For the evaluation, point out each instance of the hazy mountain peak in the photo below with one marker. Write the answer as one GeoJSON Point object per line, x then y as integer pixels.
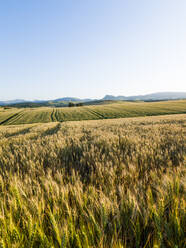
{"type": "Point", "coordinates": [148, 97]}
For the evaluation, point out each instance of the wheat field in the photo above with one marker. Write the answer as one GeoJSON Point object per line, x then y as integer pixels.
{"type": "Point", "coordinates": [106, 183]}
{"type": "Point", "coordinates": [111, 110]}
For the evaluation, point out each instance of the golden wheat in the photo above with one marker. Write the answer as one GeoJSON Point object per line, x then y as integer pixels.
{"type": "Point", "coordinates": [107, 183]}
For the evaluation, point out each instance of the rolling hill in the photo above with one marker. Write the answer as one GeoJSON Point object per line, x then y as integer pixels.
{"type": "Point", "coordinates": [120, 109]}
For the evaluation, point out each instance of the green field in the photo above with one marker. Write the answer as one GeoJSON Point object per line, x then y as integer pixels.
{"type": "Point", "coordinates": [15, 116]}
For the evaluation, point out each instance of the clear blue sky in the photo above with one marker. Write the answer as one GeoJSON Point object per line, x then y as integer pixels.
{"type": "Point", "coordinates": [89, 48]}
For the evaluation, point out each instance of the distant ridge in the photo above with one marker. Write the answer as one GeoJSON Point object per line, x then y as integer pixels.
{"type": "Point", "coordinates": [71, 99]}
{"type": "Point", "coordinates": [12, 101]}
{"type": "Point", "coordinates": [153, 96]}
{"type": "Point", "coordinates": [159, 96]}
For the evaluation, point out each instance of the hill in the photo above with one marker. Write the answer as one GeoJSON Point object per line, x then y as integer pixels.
{"type": "Point", "coordinates": [16, 101]}
{"type": "Point", "coordinates": [104, 110]}
{"type": "Point", "coordinates": [150, 97]}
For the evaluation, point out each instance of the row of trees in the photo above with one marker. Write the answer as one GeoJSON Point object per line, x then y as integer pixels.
{"type": "Point", "coordinates": [71, 104]}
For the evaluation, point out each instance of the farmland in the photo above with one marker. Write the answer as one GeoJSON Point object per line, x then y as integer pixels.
{"type": "Point", "coordinates": [100, 183]}
{"type": "Point", "coordinates": [14, 116]}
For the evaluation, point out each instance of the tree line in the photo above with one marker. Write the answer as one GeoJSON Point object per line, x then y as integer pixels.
{"type": "Point", "coordinates": [71, 104]}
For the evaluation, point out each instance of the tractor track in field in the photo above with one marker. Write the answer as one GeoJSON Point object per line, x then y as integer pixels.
{"type": "Point", "coordinates": [16, 118]}
{"type": "Point", "coordinates": [53, 117]}
{"type": "Point", "coordinates": [101, 116]}
{"type": "Point", "coordinates": [60, 115]}
{"type": "Point", "coordinates": [57, 116]}
{"type": "Point", "coordinates": [10, 118]}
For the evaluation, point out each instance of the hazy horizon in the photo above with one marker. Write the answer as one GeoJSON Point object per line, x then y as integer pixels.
{"type": "Point", "coordinates": [96, 98]}
{"type": "Point", "coordinates": [54, 49]}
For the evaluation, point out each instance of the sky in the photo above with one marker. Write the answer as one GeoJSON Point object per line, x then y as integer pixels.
{"type": "Point", "coordinates": [90, 48]}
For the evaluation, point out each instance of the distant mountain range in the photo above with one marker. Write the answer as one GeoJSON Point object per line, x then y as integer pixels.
{"type": "Point", "coordinates": [160, 96]}
{"type": "Point", "coordinates": [153, 96]}
{"type": "Point", "coordinates": [12, 102]}
{"type": "Point", "coordinates": [72, 99]}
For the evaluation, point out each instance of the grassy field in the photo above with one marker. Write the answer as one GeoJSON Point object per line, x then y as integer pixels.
{"type": "Point", "coordinates": [102, 183]}
{"type": "Point", "coordinates": [15, 116]}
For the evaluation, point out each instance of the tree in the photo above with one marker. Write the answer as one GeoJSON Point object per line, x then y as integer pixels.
{"type": "Point", "coordinates": [79, 104]}
{"type": "Point", "coordinates": [71, 104]}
